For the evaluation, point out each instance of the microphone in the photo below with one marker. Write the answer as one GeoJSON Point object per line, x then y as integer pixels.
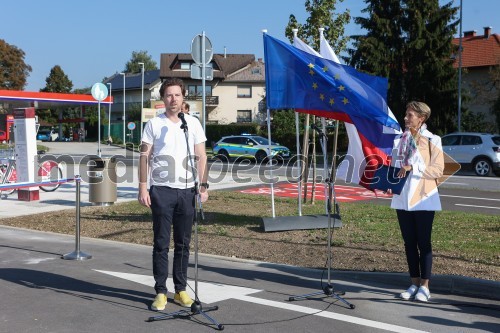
{"type": "Point", "coordinates": [317, 129]}
{"type": "Point", "coordinates": [181, 117]}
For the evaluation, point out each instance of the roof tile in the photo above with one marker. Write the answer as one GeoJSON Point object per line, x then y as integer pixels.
{"type": "Point", "coordinates": [479, 51]}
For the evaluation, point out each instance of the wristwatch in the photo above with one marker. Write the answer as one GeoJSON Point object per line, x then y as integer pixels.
{"type": "Point", "coordinates": [205, 185]}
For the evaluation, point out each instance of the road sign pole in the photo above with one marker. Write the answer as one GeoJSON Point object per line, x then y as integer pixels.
{"type": "Point", "coordinates": [202, 53]}
{"type": "Point", "coordinates": [203, 60]}
{"type": "Point", "coordinates": [99, 92]}
{"type": "Point", "coordinates": [99, 128]}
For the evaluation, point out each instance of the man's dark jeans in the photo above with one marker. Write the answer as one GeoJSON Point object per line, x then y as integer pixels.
{"type": "Point", "coordinates": [171, 207]}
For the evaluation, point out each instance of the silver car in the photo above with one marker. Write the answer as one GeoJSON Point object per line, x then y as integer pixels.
{"type": "Point", "coordinates": [481, 151]}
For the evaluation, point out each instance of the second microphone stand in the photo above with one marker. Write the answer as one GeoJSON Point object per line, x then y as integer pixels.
{"type": "Point", "coordinates": [196, 307]}
{"type": "Point", "coordinates": [328, 289]}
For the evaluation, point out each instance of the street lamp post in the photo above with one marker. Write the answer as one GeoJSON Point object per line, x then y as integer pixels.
{"type": "Point", "coordinates": [124, 110]}
{"type": "Point", "coordinates": [142, 95]}
{"type": "Point", "coordinates": [109, 113]}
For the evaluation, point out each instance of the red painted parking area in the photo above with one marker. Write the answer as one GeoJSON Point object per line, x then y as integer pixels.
{"type": "Point", "coordinates": [343, 193]}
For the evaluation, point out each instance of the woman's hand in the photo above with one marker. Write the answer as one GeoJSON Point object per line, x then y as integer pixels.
{"type": "Point", "coordinates": [402, 172]}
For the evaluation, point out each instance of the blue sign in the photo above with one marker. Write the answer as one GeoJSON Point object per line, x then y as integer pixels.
{"type": "Point", "coordinates": [99, 91]}
{"type": "Point", "coordinates": [131, 126]}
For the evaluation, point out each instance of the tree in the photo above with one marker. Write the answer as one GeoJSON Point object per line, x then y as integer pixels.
{"type": "Point", "coordinates": [409, 41]}
{"type": "Point", "coordinates": [430, 76]}
{"type": "Point", "coordinates": [132, 66]}
{"type": "Point", "coordinates": [379, 52]}
{"type": "Point", "coordinates": [13, 70]}
{"type": "Point", "coordinates": [322, 15]}
{"type": "Point", "coordinates": [57, 81]}
{"type": "Point", "coordinates": [486, 91]}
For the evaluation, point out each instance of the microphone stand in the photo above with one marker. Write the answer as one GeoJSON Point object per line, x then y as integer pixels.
{"type": "Point", "coordinates": [196, 307]}
{"type": "Point", "coordinates": [328, 290]}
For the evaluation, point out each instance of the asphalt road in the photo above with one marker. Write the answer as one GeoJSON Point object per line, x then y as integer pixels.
{"type": "Point", "coordinates": [112, 291]}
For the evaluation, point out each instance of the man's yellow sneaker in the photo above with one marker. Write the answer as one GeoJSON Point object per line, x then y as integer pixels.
{"type": "Point", "coordinates": [182, 298]}
{"type": "Point", "coordinates": [159, 302]}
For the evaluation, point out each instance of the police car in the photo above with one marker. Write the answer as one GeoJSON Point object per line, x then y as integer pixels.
{"type": "Point", "coordinates": [249, 146]}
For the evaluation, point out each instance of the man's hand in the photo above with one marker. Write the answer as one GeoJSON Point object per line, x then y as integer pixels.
{"type": "Point", "coordinates": [144, 198]}
{"type": "Point", "coordinates": [204, 196]}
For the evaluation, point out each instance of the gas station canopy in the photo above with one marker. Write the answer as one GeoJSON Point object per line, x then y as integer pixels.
{"type": "Point", "coordinates": [46, 100]}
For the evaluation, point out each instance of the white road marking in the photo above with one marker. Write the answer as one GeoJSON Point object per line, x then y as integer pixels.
{"type": "Point", "coordinates": [34, 261]}
{"type": "Point", "coordinates": [477, 206]}
{"type": "Point", "coordinates": [461, 197]}
{"type": "Point", "coordinates": [207, 292]}
{"type": "Point", "coordinates": [326, 314]}
{"type": "Point", "coordinates": [215, 292]}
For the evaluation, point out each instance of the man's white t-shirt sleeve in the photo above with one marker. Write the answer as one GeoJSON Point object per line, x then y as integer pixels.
{"type": "Point", "coordinates": [147, 134]}
{"type": "Point", "coordinates": [198, 130]}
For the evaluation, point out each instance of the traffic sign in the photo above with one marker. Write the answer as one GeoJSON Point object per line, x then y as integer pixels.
{"type": "Point", "coordinates": [197, 49]}
{"type": "Point", "coordinates": [99, 91]}
{"type": "Point", "coordinates": [196, 72]}
{"type": "Point", "coordinates": [131, 126]}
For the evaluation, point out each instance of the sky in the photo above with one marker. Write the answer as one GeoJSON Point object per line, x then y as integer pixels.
{"type": "Point", "coordinates": [94, 39]}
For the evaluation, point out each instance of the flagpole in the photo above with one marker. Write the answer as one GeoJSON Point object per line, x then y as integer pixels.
{"type": "Point", "coordinates": [264, 31]}
{"type": "Point", "coordinates": [299, 158]}
{"type": "Point", "coordinates": [271, 168]}
{"type": "Point", "coordinates": [299, 162]}
{"type": "Point", "coordinates": [323, 125]}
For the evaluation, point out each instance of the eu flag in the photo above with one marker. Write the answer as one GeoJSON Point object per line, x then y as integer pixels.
{"type": "Point", "coordinates": [298, 80]}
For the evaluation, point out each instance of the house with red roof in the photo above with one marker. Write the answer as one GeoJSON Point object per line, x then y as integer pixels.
{"type": "Point", "coordinates": [480, 58]}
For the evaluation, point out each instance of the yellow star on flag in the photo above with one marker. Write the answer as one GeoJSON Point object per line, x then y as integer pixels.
{"type": "Point", "coordinates": [345, 101]}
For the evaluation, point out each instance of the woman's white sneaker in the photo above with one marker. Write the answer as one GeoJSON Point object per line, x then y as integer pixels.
{"type": "Point", "coordinates": [423, 294]}
{"type": "Point", "coordinates": [410, 293]}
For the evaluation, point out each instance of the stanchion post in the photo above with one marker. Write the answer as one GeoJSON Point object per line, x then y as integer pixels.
{"type": "Point", "coordinates": [77, 254]}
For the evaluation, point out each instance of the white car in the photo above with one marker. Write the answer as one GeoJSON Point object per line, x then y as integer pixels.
{"type": "Point", "coordinates": [481, 151]}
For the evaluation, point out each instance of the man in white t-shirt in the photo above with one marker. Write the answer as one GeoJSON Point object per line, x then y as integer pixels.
{"type": "Point", "coordinates": [171, 197]}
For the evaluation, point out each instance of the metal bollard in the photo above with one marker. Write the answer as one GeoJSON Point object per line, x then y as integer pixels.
{"type": "Point", "coordinates": [77, 254]}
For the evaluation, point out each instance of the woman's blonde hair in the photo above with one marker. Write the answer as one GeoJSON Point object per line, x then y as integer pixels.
{"type": "Point", "coordinates": [421, 108]}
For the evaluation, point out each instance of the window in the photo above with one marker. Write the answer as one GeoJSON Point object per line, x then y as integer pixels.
{"type": "Point", "coordinates": [469, 140]}
{"type": "Point", "coordinates": [451, 140]}
{"type": "Point", "coordinates": [244, 116]}
{"type": "Point", "coordinates": [244, 91]}
{"type": "Point", "coordinates": [186, 66]}
{"type": "Point", "coordinates": [256, 70]}
{"type": "Point", "coordinates": [231, 140]}
{"type": "Point", "coordinates": [198, 90]}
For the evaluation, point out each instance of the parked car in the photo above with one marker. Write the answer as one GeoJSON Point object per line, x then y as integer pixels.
{"type": "Point", "coordinates": [481, 151]}
{"type": "Point", "coordinates": [47, 135]}
{"type": "Point", "coordinates": [249, 146]}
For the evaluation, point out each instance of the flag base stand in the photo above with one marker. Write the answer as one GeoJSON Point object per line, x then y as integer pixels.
{"type": "Point", "coordinates": [283, 223]}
